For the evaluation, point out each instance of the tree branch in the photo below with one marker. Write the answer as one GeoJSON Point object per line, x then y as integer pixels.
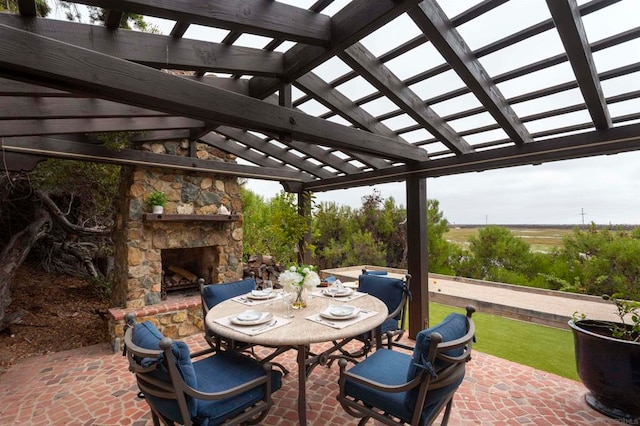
{"type": "Point", "coordinates": [61, 219]}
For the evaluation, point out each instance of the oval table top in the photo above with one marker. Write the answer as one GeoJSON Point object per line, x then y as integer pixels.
{"type": "Point", "coordinates": [300, 331]}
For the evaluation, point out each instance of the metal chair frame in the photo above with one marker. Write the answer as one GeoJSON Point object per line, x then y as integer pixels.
{"type": "Point", "coordinates": [177, 389]}
{"type": "Point", "coordinates": [454, 370]}
{"type": "Point", "coordinates": [392, 336]}
{"type": "Point", "coordinates": [218, 343]}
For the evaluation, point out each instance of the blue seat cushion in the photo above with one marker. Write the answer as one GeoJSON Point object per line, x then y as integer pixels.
{"type": "Point", "coordinates": [223, 371]}
{"type": "Point", "coordinates": [453, 327]}
{"type": "Point", "coordinates": [391, 368]}
{"type": "Point", "coordinates": [216, 293]}
{"type": "Point", "coordinates": [219, 372]}
{"type": "Point", "coordinates": [387, 367]}
{"type": "Point", "coordinates": [389, 290]}
{"type": "Point", "coordinates": [147, 336]}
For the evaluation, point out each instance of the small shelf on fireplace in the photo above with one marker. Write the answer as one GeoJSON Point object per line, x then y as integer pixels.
{"type": "Point", "coordinates": [150, 217]}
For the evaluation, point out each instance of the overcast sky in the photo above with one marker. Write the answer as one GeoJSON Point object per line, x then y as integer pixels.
{"type": "Point", "coordinates": [604, 188]}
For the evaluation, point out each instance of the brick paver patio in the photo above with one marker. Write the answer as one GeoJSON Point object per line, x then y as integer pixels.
{"type": "Point", "coordinates": [92, 386]}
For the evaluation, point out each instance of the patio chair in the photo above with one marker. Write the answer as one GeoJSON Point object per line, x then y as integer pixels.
{"type": "Point", "coordinates": [211, 295]}
{"type": "Point", "coordinates": [223, 387]}
{"type": "Point", "coordinates": [397, 388]}
{"type": "Point", "coordinates": [394, 292]}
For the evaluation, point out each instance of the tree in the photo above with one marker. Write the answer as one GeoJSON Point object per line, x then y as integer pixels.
{"type": "Point", "coordinates": [602, 261]}
{"type": "Point", "coordinates": [499, 256]}
{"type": "Point", "coordinates": [63, 239]}
{"type": "Point", "coordinates": [272, 227]}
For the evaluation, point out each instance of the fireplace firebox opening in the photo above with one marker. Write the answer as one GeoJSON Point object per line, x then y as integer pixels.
{"type": "Point", "coordinates": [181, 267]}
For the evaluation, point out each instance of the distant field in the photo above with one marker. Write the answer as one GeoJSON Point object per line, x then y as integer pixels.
{"type": "Point", "coordinates": [540, 239]}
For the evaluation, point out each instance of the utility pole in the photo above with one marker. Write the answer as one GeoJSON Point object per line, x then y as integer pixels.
{"type": "Point", "coordinates": [582, 213]}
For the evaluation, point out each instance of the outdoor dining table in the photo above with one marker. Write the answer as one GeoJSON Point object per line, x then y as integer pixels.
{"type": "Point", "coordinates": [299, 332]}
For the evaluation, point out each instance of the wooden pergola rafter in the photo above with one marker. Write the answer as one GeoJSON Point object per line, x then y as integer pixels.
{"type": "Point", "coordinates": [275, 105]}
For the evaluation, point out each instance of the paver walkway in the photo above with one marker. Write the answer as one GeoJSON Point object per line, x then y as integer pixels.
{"type": "Point", "coordinates": [555, 305]}
{"type": "Point", "coordinates": [92, 386]}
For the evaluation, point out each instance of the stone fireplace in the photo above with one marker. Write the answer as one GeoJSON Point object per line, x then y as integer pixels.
{"type": "Point", "coordinates": [190, 236]}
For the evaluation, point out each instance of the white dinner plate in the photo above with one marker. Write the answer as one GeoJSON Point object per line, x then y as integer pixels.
{"type": "Point", "coordinates": [343, 292]}
{"type": "Point", "coordinates": [251, 318]}
{"type": "Point", "coordinates": [340, 312]}
{"type": "Point", "coordinates": [261, 295]}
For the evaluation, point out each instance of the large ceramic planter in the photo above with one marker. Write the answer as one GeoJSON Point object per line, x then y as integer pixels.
{"type": "Point", "coordinates": [610, 369]}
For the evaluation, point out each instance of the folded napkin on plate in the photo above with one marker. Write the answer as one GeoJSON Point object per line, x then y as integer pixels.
{"type": "Point", "coordinates": [342, 323]}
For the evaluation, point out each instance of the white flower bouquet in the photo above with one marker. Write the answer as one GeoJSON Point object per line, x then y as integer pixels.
{"type": "Point", "coordinates": [296, 278]}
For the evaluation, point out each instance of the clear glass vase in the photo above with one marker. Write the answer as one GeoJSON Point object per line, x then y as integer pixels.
{"type": "Point", "coordinates": [299, 302]}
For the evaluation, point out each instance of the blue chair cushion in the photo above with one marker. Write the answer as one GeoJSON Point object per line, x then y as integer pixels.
{"type": "Point", "coordinates": [387, 367]}
{"type": "Point", "coordinates": [216, 293]}
{"type": "Point", "coordinates": [452, 327]}
{"type": "Point", "coordinates": [391, 368]}
{"type": "Point", "coordinates": [147, 336]}
{"type": "Point", "coordinates": [224, 371]}
{"type": "Point", "coordinates": [389, 290]}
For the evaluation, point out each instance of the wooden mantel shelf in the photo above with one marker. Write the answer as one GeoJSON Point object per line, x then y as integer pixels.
{"type": "Point", "coordinates": [150, 217]}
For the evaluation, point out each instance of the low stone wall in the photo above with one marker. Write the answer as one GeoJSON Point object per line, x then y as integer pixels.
{"type": "Point", "coordinates": [177, 318]}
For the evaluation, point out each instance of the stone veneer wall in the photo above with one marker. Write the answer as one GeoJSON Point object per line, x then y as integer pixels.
{"type": "Point", "coordinates": [138, 265]}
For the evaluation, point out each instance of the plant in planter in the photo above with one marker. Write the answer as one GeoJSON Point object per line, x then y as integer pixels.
{"type": "Point", "coordinates": [156, 201]}
{"type": "Point", "coordinates": [608, 360]}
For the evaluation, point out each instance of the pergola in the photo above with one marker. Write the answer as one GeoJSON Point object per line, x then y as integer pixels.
{"type": "Point", "coordinates": [324, 95]}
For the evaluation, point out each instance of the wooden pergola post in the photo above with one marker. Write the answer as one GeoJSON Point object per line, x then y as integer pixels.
{"type": "Point", "coordinates": [304, 210]}
{"type": "Point", "coordinates": [416, 189]}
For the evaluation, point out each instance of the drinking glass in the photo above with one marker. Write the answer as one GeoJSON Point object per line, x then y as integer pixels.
{"type": "Point", "coordinates": [267, 287]}
{"type": "Point", "coordinates": [287, 298]}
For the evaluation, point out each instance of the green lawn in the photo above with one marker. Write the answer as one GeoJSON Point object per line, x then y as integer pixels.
{"type": "Point", "coordinates": [545, 348]}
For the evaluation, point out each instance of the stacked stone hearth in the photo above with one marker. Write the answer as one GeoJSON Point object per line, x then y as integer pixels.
{"type": "Point", "coordinates": [208, 248]}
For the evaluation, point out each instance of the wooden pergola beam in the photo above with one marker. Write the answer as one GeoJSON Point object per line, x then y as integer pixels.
{"type": "Point", "coordinates": [611, 141]}
{"type": "Point", "coordinates": [27, 7]}
{"type": "Point", "coordinates": [435, 25]}
{"type": "Point", "coordinates": [58, 148]}
{"type": "Point", "coordinates": [41, 126]}
{"type": "Point", "coordinates": [343, 106]}
{"type": "Point", "coordinates": [381, 77]}
{"type": "Point", "coordinates": [26, 108]}
{"type": "Point", "coordinates": [568, 21]}
{"type": "Point", "coordinates": [75, 69]}
{"type": "Point", "coordinates": [270, 149]}
{"type": "Point", "coordinates": [261, 17]}
{"type": "Point", "coordinates": [159, 51]}
{"type": "Point", "coordinates": [354, 22]}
